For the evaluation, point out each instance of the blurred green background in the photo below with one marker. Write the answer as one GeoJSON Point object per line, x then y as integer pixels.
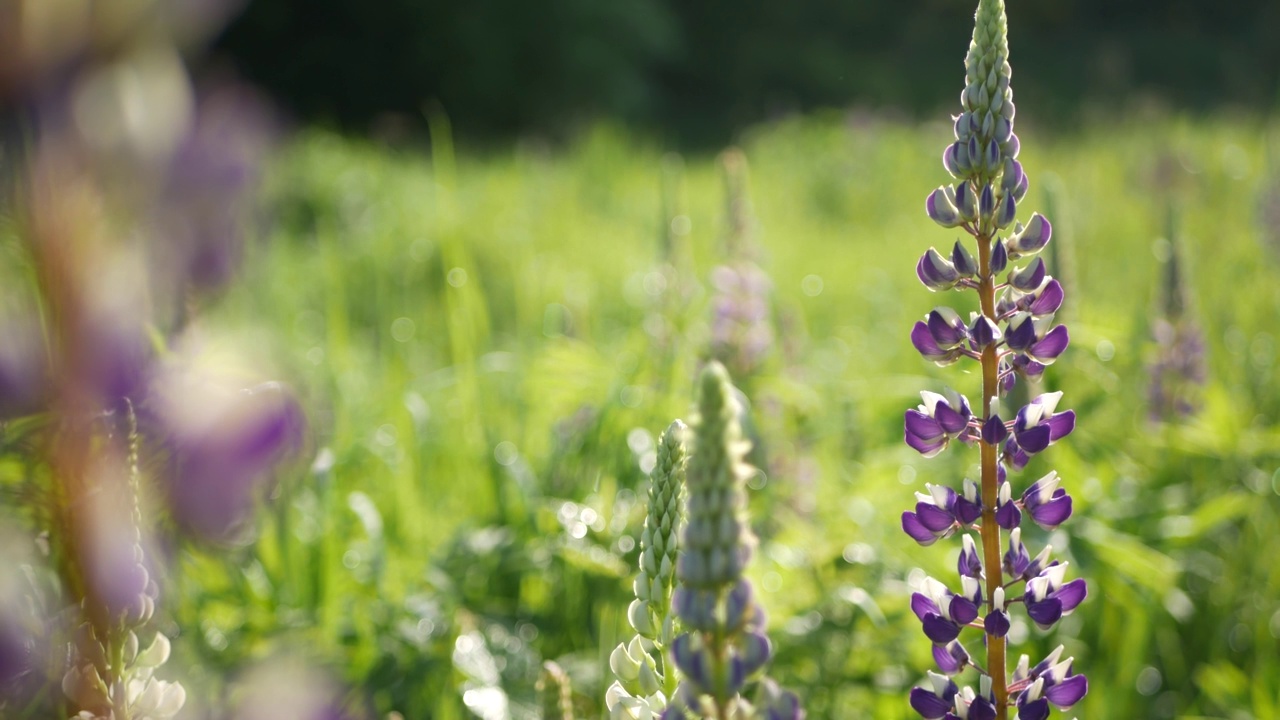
{"type": "Point", "coordinates": [489, 344]}
{"type": "Point", "coordinates": [489, 338]}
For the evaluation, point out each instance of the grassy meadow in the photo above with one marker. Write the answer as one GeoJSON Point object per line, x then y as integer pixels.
{"type": "Point", "coordinates": [488, 344]}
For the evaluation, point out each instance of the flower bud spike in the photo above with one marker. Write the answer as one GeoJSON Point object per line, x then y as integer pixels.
{"type": "Point", "coordinates": [1014, 336]}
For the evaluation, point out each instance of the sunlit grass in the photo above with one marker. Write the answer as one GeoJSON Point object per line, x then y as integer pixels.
{"type": "Point", "coordinates": [478, 341]}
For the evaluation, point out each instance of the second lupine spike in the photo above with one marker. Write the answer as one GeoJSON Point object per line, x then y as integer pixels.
{"type": "Point", "coordinates": [725, 647]}
{"type": "Point", "coordinates": [1013, 336]}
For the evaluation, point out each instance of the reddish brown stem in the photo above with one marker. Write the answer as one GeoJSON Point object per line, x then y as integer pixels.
{"type": "Point", "coordinates": [990, 489]}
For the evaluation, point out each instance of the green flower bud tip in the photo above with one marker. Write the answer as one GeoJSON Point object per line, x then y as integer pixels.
{"type": "Point", "coordinates": [717, 541]}
{"type": "Point", "coordinates": [659, 542]}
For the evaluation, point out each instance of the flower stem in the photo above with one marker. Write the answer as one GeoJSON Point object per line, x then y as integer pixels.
{"type": "Point", "coordinates": [990, 489]}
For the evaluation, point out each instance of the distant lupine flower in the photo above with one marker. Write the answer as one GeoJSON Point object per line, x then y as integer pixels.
{"type": "Point", "coordinates": [645, 681]}
{"type": "Point", "coordinates": [1179, 369]}
{"type": "Point", "coordinates": [1013, 336]}
{"type": "Point", "coordinates": [725, 646]}
{"type": "Point", "coordinates": [203, 211]}
{"type": "Point", "coordinates": [742, 332]}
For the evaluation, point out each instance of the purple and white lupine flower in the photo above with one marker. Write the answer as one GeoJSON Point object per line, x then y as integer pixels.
{"type": "Point", "coordinates": [936, 421]}
{"type": "Point", "coordinates": [1014, 335]}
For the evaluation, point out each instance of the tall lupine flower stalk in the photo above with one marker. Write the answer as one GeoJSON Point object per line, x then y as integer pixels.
{"type": "Point", "coordinates": [645, 679]}
{"type": "Point", "coordinates": [724, 647]}
{"type": "Point", "coordinates": [1012, 336]}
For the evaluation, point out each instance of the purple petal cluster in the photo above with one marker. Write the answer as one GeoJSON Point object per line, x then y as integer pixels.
{"type": "Point", "coordinates": [1013, 336]}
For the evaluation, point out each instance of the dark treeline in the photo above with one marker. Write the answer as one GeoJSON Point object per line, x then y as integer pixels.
{"type": "Point", "coordinates": [699, 69]}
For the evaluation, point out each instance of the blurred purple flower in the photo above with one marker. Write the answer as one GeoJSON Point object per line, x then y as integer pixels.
{"type": "Point", "coordinates": [223, 445]}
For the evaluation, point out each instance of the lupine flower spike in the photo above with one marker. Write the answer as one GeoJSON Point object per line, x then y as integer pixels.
{"type": "Point", "coordinates": [1013, 336]}
{"type": "Point", "coordinates": [724, 649]}
{"type": "Point", "coordinates": [645, 681]}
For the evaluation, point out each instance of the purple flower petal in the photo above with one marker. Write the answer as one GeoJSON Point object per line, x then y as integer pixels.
{"type": "Point", "coordinates": [1045, 612]}
{"type": "Point", "coordinates": [982, 708]}
{"type": "Point", "coordinates": [923, 606]}
{"type": "Point", "coordinates": [934, 518]}
{"type": "Point", "coordinates": [951, 658]}
{"type": "Point", "coordinates": [993, 431]}
{"type": "Point", "coordinates": [962, 610]}
{"type": "Point", "coordinates": [1034, 236]}
{"type": "Point", "coordinates": [926, 447]}
{"type": "Point", "coordinates": [940, 630]}
{"type": "Point", "coordinates": [924, 343]}
{"type": "Point", "coordinates": [1047, 350]}
{"type": "Point", "coordinates": [1029, 278]}
{"type": "Point", "coordinates": [1020, 333]}
{"type": "Point", "coordinates": [912, 526]}
{"type": "Point", "coordinates": [986, 201]}
{"type": "Point", "coordinates": [936, 272]}
{"type": "Point", "coordinates": [1048, 300]}
{"type": "Point", "coordinates": [1035, 439]}
{"type": "Point", "coordinates": [946, 327]}
{"type": "Point", "coordinates": [1008, 516]}
{"type": "Point", "coordinates": [930, 706]}
{"type": "Point", "coordinates": [1061, 425]}
{"type": "Point", "coordinates": [1033, 710]}
{"type": "Point", "coordinates": [967, 512]}
{"type": "Point", "coordinates": [996, 623]}
{"type": "Point", "coordinates": [1072, 594]}
{"type": "Point", "coordinates": [1068, 692]}
{"type": "Point", "coordinates": [951, 421]}
{"type": "Point", "coordinates": [1051, 514]}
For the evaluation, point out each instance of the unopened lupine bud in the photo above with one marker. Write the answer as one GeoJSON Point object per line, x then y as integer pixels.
{"type": "Point", "coordinates": [1028, 278]}
{"type": "Point", "coordinates": [963, 260]}
{"type": "Point", "coordinates": [936, 272]}
{"type": "Point", "coordinates": [1006, 211]}
{"type": "Point", "coordinates": [967, 201]}
{"type": "Point", "coordinates": [941, 207]}
{"type": "Point", "coordinates": [983, 333]}
{"type": "Point", "coordinates": [1030, 239]}
{"type": "Point", "coordinates": [999, 258]}
{"type": "Point", "coordinates": [1013, 181]}
{"type": "Point", "coordinates": [986, 203]}
{"type": "Point", "coordinates": [946, 327]}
